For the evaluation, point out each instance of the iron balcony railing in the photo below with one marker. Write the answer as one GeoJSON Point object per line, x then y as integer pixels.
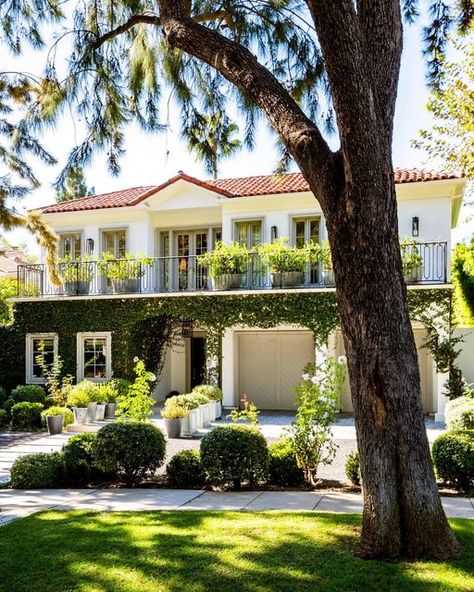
{"type": "Point", "coordinates": [157, 275]}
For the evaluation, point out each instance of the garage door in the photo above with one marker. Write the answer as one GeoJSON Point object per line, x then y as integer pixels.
{"type": "Point", "coordinates": [270, 365]}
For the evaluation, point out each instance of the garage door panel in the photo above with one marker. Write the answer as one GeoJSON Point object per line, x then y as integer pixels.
{"type": "Point", "coordinates": [296, 351]}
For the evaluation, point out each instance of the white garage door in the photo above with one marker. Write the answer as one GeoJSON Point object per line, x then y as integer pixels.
{"type": "Point", "coordinates": [270, 365]}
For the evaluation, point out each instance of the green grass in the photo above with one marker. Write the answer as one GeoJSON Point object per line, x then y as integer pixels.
{"type": "Point", "coordinates": [211, 551]}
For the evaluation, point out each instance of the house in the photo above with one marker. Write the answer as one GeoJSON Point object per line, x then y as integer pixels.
{"type": "Point", "coordinates": [10, 258]}
{"type": "Point", "coordinates": [255, 338]}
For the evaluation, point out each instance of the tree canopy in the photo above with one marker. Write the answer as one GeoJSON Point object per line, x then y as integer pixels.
{"type": "Point", "coordinates": [74, 186]}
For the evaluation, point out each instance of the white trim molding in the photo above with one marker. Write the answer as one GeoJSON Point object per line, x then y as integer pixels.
{"type": "Point", "coordinates": [80, 339]}
{"type": "Point", "coordinates": [30, 337]}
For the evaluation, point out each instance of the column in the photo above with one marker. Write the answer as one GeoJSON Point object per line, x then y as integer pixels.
{"type": "Point", "coordinates": [227, 368]}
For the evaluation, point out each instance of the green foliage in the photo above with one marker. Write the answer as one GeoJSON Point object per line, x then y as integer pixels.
{"type": "Point", "coordinates": [453, 457]}
{"type": "Point", "coordinates": [8, 405]}
{"type": "Point", "coordinates": [279, 256]}
{"type": "Point", "coordinates": [283, 469]}
{"type": "Point", "coordinates": [129, 267]}
{"type": "Point", "coordinates": [318, 397]}
{"type": "Point", "coordinates": [26, 416]}
{"type": "Point", "coordinates": [184, 470]}
{"type": "Point", "coordinates": [79, 465]}
{"type": "Point", "coordinates": [83, 393]}
{"type": "Point", "coordinates": [131, 451]}
{"type": "Point", "coordinates": [57, 385]}
{"type": "Point", "coordinates": [233, 455]}
{"type": "Point", "coordinates": [459, 414]}
{"type": "Point", "coordinates": [352, 467]}
{"type": "Point", "coordinates": [33, 393]}
{"type": "Point", "coordinates": [37, 471]}
{"type": "Point", "coordinates": [74, 186]}
{"type": "Point", "coordinates": [3, 396]}
{"type": "Point", "coordinates": [137, 404]}
{"type": "Point", "coordinates": [56, 410]}
{"type": "Point", "coordinates": [411, 258]}
{"type": "Point", "coordinates": [4, 418]}
{"type": "Point", "coordinates": [77, 270]}
{"type": "Point", "coordinates": [248, 413]}
{"type": "Point", "coordinates": [463, 279]}
{"type": "Point", "coordinates": [226, 259]}
{"type": "Point", "coordinates": [116, 387]}
{"type": "Point", "coordinates": [211, 391]}
{"type": "Point", "coordinates": [8, 289]}
{"type": "Point", "coordinates": [173, 410]}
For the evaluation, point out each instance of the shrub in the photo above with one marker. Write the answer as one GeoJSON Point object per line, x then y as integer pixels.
{"type": "Point", "coordinates": [119, 385]}
{"type": "Point", "coordinates": [129, 450]}
{"type": "Point", "coordinates": [82, 394]}
{"type": "Point", "coordinates": [283, 469]}
{"type": "Point", "coordinates": [173, 410]}
{"type": "Point", "coordinates": [3, 395]}
{"type": "Point", "coordinates": [107, 393]}
{"type": "Point", "coordinates": [37, 471]}
{"type": "Point", "coordinates": [459, 414]}
{"type": "Point", "coordinates": [212, 392]}
{"type": "Point", "coordinates": [234, 454]}
{"type": "Point", "coordinates": [32, 393]}
{"type": "Point", "coordinates": [79, 463]}
{"type": "Point", "coordinates": [7, 406]}
{"type": "Point", "coordinates": [4, 418]}
{"type": "Point", "coordinates": [453, 457]}
{"type": "Point", "coordinates": [26, 416]}
{"type": "Point", "coordinates": [56, 410]}
{"type": "Point", "coordinates": [137, 404]}
{"type": "Point", "coordinates": [184, 469]}
{"type": "Point", "coordinates": [352, 467]}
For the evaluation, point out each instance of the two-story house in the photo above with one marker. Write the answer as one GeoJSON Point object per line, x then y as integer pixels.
{"type": "Point", "coordinates": [176, 222]}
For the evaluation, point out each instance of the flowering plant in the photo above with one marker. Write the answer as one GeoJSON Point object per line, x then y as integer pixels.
{"type": "Point", "coordinates": [317, 400]}
{"type": "Point", "coordinates": [247, 413]}
{"type": "Point", "coordinates": [137, 403]}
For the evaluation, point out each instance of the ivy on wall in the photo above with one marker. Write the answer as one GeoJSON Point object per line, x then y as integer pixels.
{"type": "Point", "coordinates": [145, 326]}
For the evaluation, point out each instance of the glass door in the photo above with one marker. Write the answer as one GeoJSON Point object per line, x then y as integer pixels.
{"type": "Point", "coordinates": [249, 233]}
{"type": "Point", "coordinates": [307, 231]}
{"type": "Point", "coordinates": [189, 245]}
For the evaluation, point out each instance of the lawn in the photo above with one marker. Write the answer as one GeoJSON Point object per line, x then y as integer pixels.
{"type": "Point", "coordinates": [202, 551]}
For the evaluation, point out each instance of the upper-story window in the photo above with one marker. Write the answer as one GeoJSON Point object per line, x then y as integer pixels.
{"type": "Point", "coordinates": [70, 245]}
{"type": "Point", "coordinates": [115, 242]}
{"type": "Point", "coordinates": [306, 230]}
{"type": "Point", "coordinates": [249, 233]}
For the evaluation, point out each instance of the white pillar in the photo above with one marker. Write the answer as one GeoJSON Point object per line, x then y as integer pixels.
{"type": "Point", "coordinates": [227, 368]}
{"type": "Point", "coordinates": [439, 381]}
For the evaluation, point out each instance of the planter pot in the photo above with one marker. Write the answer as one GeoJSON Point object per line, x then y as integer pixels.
{"type": "Point", "coordinates": [212, 410]}
{"type": "Point", "coordinates": [287, 279]}
{"type": "Point", "coordinates": [199, 422]}
{"type": "Point", "coordinates": [80, 415]}
{"type": "Point", "coordinates": [173, 427]}
{"type": "Point", "coordinates": [413, 276]}
{"type": "Point", "coordinates": [228, 281]}
{"type": "Point", "coordinates": [185, 427]}
{"type": "Point", "coordinates": [55, 424]}
{"type": "Point", "coordinates": [206, 416]}
{"type": "Point", "coordinates": [192, 421]}
{"type": "Point", "coordinates": [328, 277]}
{"type": "Point", "coordinates": [100, 412]}
{"type": "Point", "coordinates": [110, 410]}
{"type": "Point", "coordinates": [80, 288]}
{"type": "Point", "coordinates": [129, 286]}
{"type": "Point", "coordinates": [91, 411]}
{"type": "Point", "coordinates": [218, 409]}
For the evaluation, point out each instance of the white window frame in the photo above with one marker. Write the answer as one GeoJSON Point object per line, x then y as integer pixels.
{"type": "Point", "coordinates": [80, 338]}
{"type": "Point", "coordinates": [65, 233]}
{"type": "Point", "coordinates": [30, 379]}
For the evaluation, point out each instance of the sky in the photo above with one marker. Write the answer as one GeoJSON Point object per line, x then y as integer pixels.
{"type": "Point", "coordinates": [152, 158]}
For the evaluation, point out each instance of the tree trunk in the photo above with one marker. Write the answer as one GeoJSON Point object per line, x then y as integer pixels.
{"type": "Point", "coordinates": [402, 512]}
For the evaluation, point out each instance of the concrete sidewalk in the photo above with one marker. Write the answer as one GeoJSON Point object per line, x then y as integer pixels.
{"type": "Point", "coordinates": [17, 504]}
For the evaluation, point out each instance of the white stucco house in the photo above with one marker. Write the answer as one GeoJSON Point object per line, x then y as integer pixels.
{"type": "Point", "coordinates": [175, 222]}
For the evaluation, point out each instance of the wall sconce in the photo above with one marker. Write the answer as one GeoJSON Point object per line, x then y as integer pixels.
{"type": "Point", "coordinates": [274, 233]}
{"type": "Point", "coordinates": [415, 226]}
{"type": "Point", "coordinates": [90, 246]}
{"type": "Point", "coordinates": [187, 328]}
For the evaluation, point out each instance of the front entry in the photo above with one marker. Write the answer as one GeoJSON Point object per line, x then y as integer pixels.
{"type": "Point", "coordinates": [197, 361]}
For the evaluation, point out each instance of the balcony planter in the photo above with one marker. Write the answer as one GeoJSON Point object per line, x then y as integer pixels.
{"type": "Point", "coordinates": [54, 424]}
{"type": "Point", "coordinates": [124, 274]}
{"type": "Point", "coordinates": [125, 286]}
{"type": "Point", "coordinates": [110, 410]}
{"type": "Point", "coordinates": [76, 275]}
{"type": "Point", "coordinates": [287, 279]}
{"type": "Point", "coordinates": [100, 412]}
{"type": "Point", "coordinates": [411, 260]}
{"type": "Point", "coordinates": [80, 415]}
{"type": "Point", "coordinates": [91, 412]}
{"type": "Point", "coordinates": [80, 288]}
{"type": "Point", "coordinates": [173, 427]}
{"type": "Point", "coordinates": [227, 281]}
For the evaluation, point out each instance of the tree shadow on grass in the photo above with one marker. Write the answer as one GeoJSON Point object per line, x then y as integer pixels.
{"type": "Point", "coordinates": [201, 551]}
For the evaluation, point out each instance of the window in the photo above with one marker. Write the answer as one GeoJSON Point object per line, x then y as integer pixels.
{"type": "Point", "coordinates": [249, 233]}
{"type": "Point", "coordinates": [33, 350]}
{"type": "Point", "coordinates": [94, 357]}
{"type": "Point", "coordinates": [115, 242]}
{"type": "Point", "coordinates": [70, 245]}
{"type": "Point", "coordinates": [306, 230]}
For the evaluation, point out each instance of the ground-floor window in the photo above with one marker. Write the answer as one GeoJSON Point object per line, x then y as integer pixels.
{"type": "Point", "coordinates": [94, 356]}
{"type": "Point", "coordinates": [38, 344]}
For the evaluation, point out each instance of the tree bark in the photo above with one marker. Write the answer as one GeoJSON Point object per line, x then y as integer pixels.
{"type": "Point", "coordinates": [362, 47]}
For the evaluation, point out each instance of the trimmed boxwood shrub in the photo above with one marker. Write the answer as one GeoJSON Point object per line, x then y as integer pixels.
{"type": "Point", "coordinates": [352, 467]}
{"type": "Point", "coordinates": [453, 457]}
{"type": "Point", "coordinates": [459, 414]}
{"type": "Point", "coordinates": [37, 471]}
{"type": "Point", "coordinates": [234, 454]}
{"type": "Point", "coordinates": [26, 416]}
{"type": "Point", "coordinates": [32, 393]}
{"type": "Point", "coordinates": [283, 469]}
{"type": "Point", "coordinates": [4, 418]}
{"type": "Point", "coordinates": [130, 451]}
{"type": "Point", "coordinates": [79, 466]}
{"type": "Point", "coordinates": [184, 469]}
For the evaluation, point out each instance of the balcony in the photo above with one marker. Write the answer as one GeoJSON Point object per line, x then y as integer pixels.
{"type": "Point", "coordinates": [164, 275]}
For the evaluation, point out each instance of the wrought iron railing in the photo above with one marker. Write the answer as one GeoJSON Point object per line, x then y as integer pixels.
{"type": "Point", "coordinates": [156, 275]}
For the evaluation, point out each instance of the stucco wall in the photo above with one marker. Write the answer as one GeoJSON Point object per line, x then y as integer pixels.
{"type": "Point", "coordinates": [466, 357]}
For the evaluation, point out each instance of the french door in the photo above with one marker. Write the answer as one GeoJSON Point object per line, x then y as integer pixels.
{"type": "Point", "coordinates": [189, 273]}
{"type": "Point", "coordinates": [306, 230]}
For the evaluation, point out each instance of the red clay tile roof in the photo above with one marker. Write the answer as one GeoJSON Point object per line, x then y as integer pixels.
{"type": "Point", "coordinates": [237, 187]}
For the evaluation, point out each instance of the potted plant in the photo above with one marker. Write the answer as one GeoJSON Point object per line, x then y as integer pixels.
{"type": "Point", "coordinates": [116, 387]}
{"type": "Point", "coordinates": [76, 275]}
{"type": "Point", "coordinates": [286, 264]}
{"type": "Point", "coordinates": [101, 396]}
{"type": "Point", "coordinates": [204, 406]}
{"type": "Point", "coordinates": [214, 394]}
{"type": "Point", "coordinates": [411, 260]}
{"type": "Point", "coordinates": [57, 418]}
{"type": "Point", "coordinates": [173, 415]}
{"type": "Point", "coordinates": [124, 274]}
{"type": "Point", "coordinates": [227, 265]}
{"type": "Point", "coordinates": [78, 400]}
{"type": "Point", "coordinates": [193, 419]}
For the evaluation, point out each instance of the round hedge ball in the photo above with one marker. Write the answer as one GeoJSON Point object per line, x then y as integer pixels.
{"type": "Point", "coordinates": [184, 469]}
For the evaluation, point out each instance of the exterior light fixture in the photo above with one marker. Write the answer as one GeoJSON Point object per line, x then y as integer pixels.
{"type": "Point", "coordinates": [415, 226]}
{"type": "Point", "coordinates": [274, 232]}
{"type": "Point", "coordinates": [187, 328]}
{"type": "Point", "coordinates": [90, 246]}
